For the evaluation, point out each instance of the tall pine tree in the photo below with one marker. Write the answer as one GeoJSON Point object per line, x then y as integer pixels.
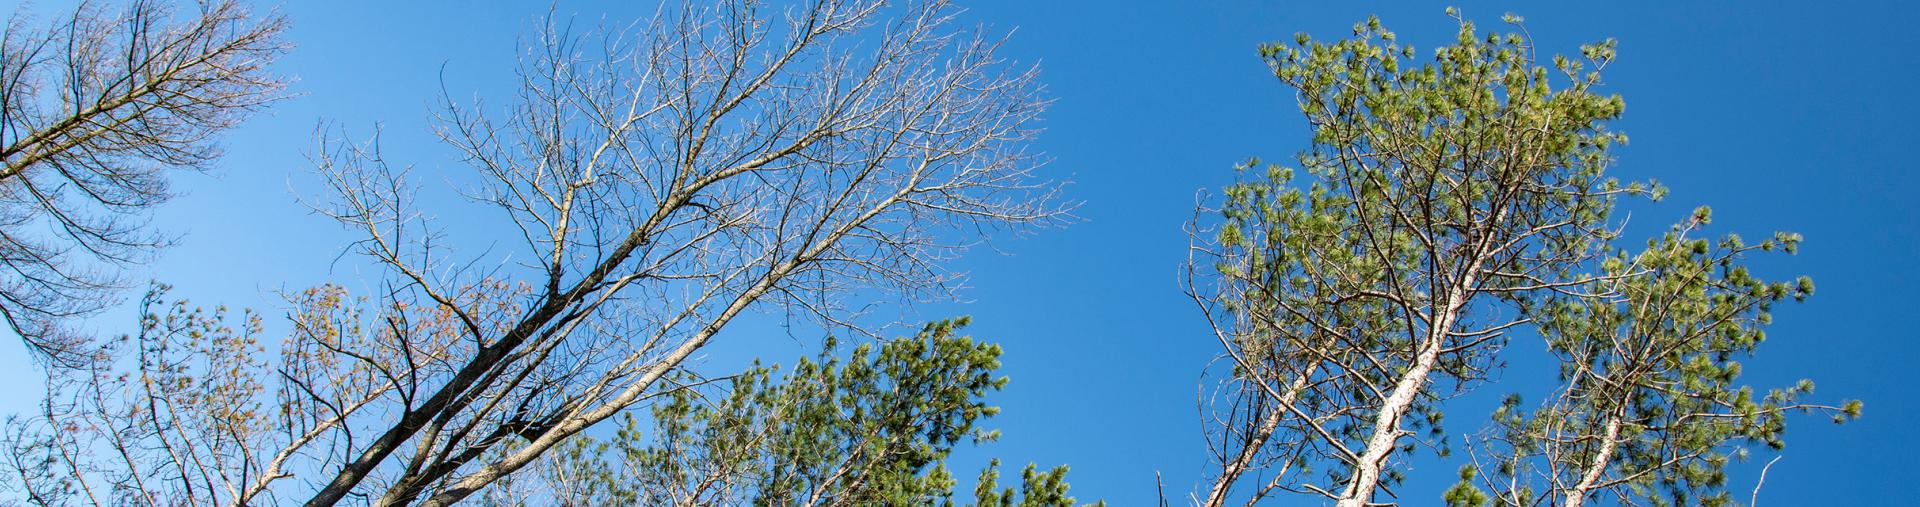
{"type": "Point", "coordinates": [1439, 198]}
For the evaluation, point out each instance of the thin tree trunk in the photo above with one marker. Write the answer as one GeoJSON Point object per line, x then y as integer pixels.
{"type": "Point", "coordinates": [1610, 444]}
{"type": "Point", "coordinates": [1386, 423]}
{"type": "Point", "coordinates": [1231, 472]}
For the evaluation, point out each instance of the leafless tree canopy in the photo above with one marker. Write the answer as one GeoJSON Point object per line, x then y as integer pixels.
{"type": "Point", "coordinates": [95, 107]}
{"type": "Point", "coordinates": [660, 180]}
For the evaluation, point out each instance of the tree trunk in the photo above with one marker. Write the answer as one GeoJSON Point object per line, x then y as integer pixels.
{"type": "Point", "coordinates": [1386, 423]}
{"type": "Point", "coordinates": [1578, 495]}
{"type": "Point", "coordinates": [1231, 472]}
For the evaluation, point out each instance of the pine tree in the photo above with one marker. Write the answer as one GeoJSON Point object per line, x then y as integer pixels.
{"type": "Point", "coordinates": [1439, 198]}
{"type": "Point", "coordinates": [873, 428]}
{"type": "Point", "coordinates": [1649, 409]}
{"type": "Point", "coordinates": [1445, 205]}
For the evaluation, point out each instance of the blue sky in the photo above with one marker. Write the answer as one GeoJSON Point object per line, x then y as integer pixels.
{"type": "Point", "coordinates": [1789, 116]}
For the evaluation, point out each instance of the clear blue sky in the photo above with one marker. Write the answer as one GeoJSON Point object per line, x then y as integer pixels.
{"type": "Point", "coordinates": [1796, 116]}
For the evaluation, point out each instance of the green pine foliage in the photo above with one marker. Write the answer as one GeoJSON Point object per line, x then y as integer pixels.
{"type": "Point", "coordinates": [1650, 408]}
{"type": "Point", "coordinates": [1463, 493]}
{"type": "Point", "coordinates": [1037, 489]}
{"type": "Point", "coordinates": [1450, 200]}
{"type": "Point", "coordinates": [1442, 190]}
{"type": "Point", "coordinates": [874, 427]}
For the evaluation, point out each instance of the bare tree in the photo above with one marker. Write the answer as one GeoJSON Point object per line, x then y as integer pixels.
{"type": "Point", "coordinates": [163, 424]}
{"type": "Point", "coordinates": [95, 108]}
{"type": "Point", "coordinates": [1443, 199]}
{"type": "Point", "coordinates": [659, 182]}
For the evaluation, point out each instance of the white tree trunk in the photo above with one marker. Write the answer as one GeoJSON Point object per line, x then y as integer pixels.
{"type": "Point", "coordinates": [1386, 423]}
{"type": "Point", "coordinates": [1577, 496]}
{"type": "Point", "coordinates": [1231, 472]}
